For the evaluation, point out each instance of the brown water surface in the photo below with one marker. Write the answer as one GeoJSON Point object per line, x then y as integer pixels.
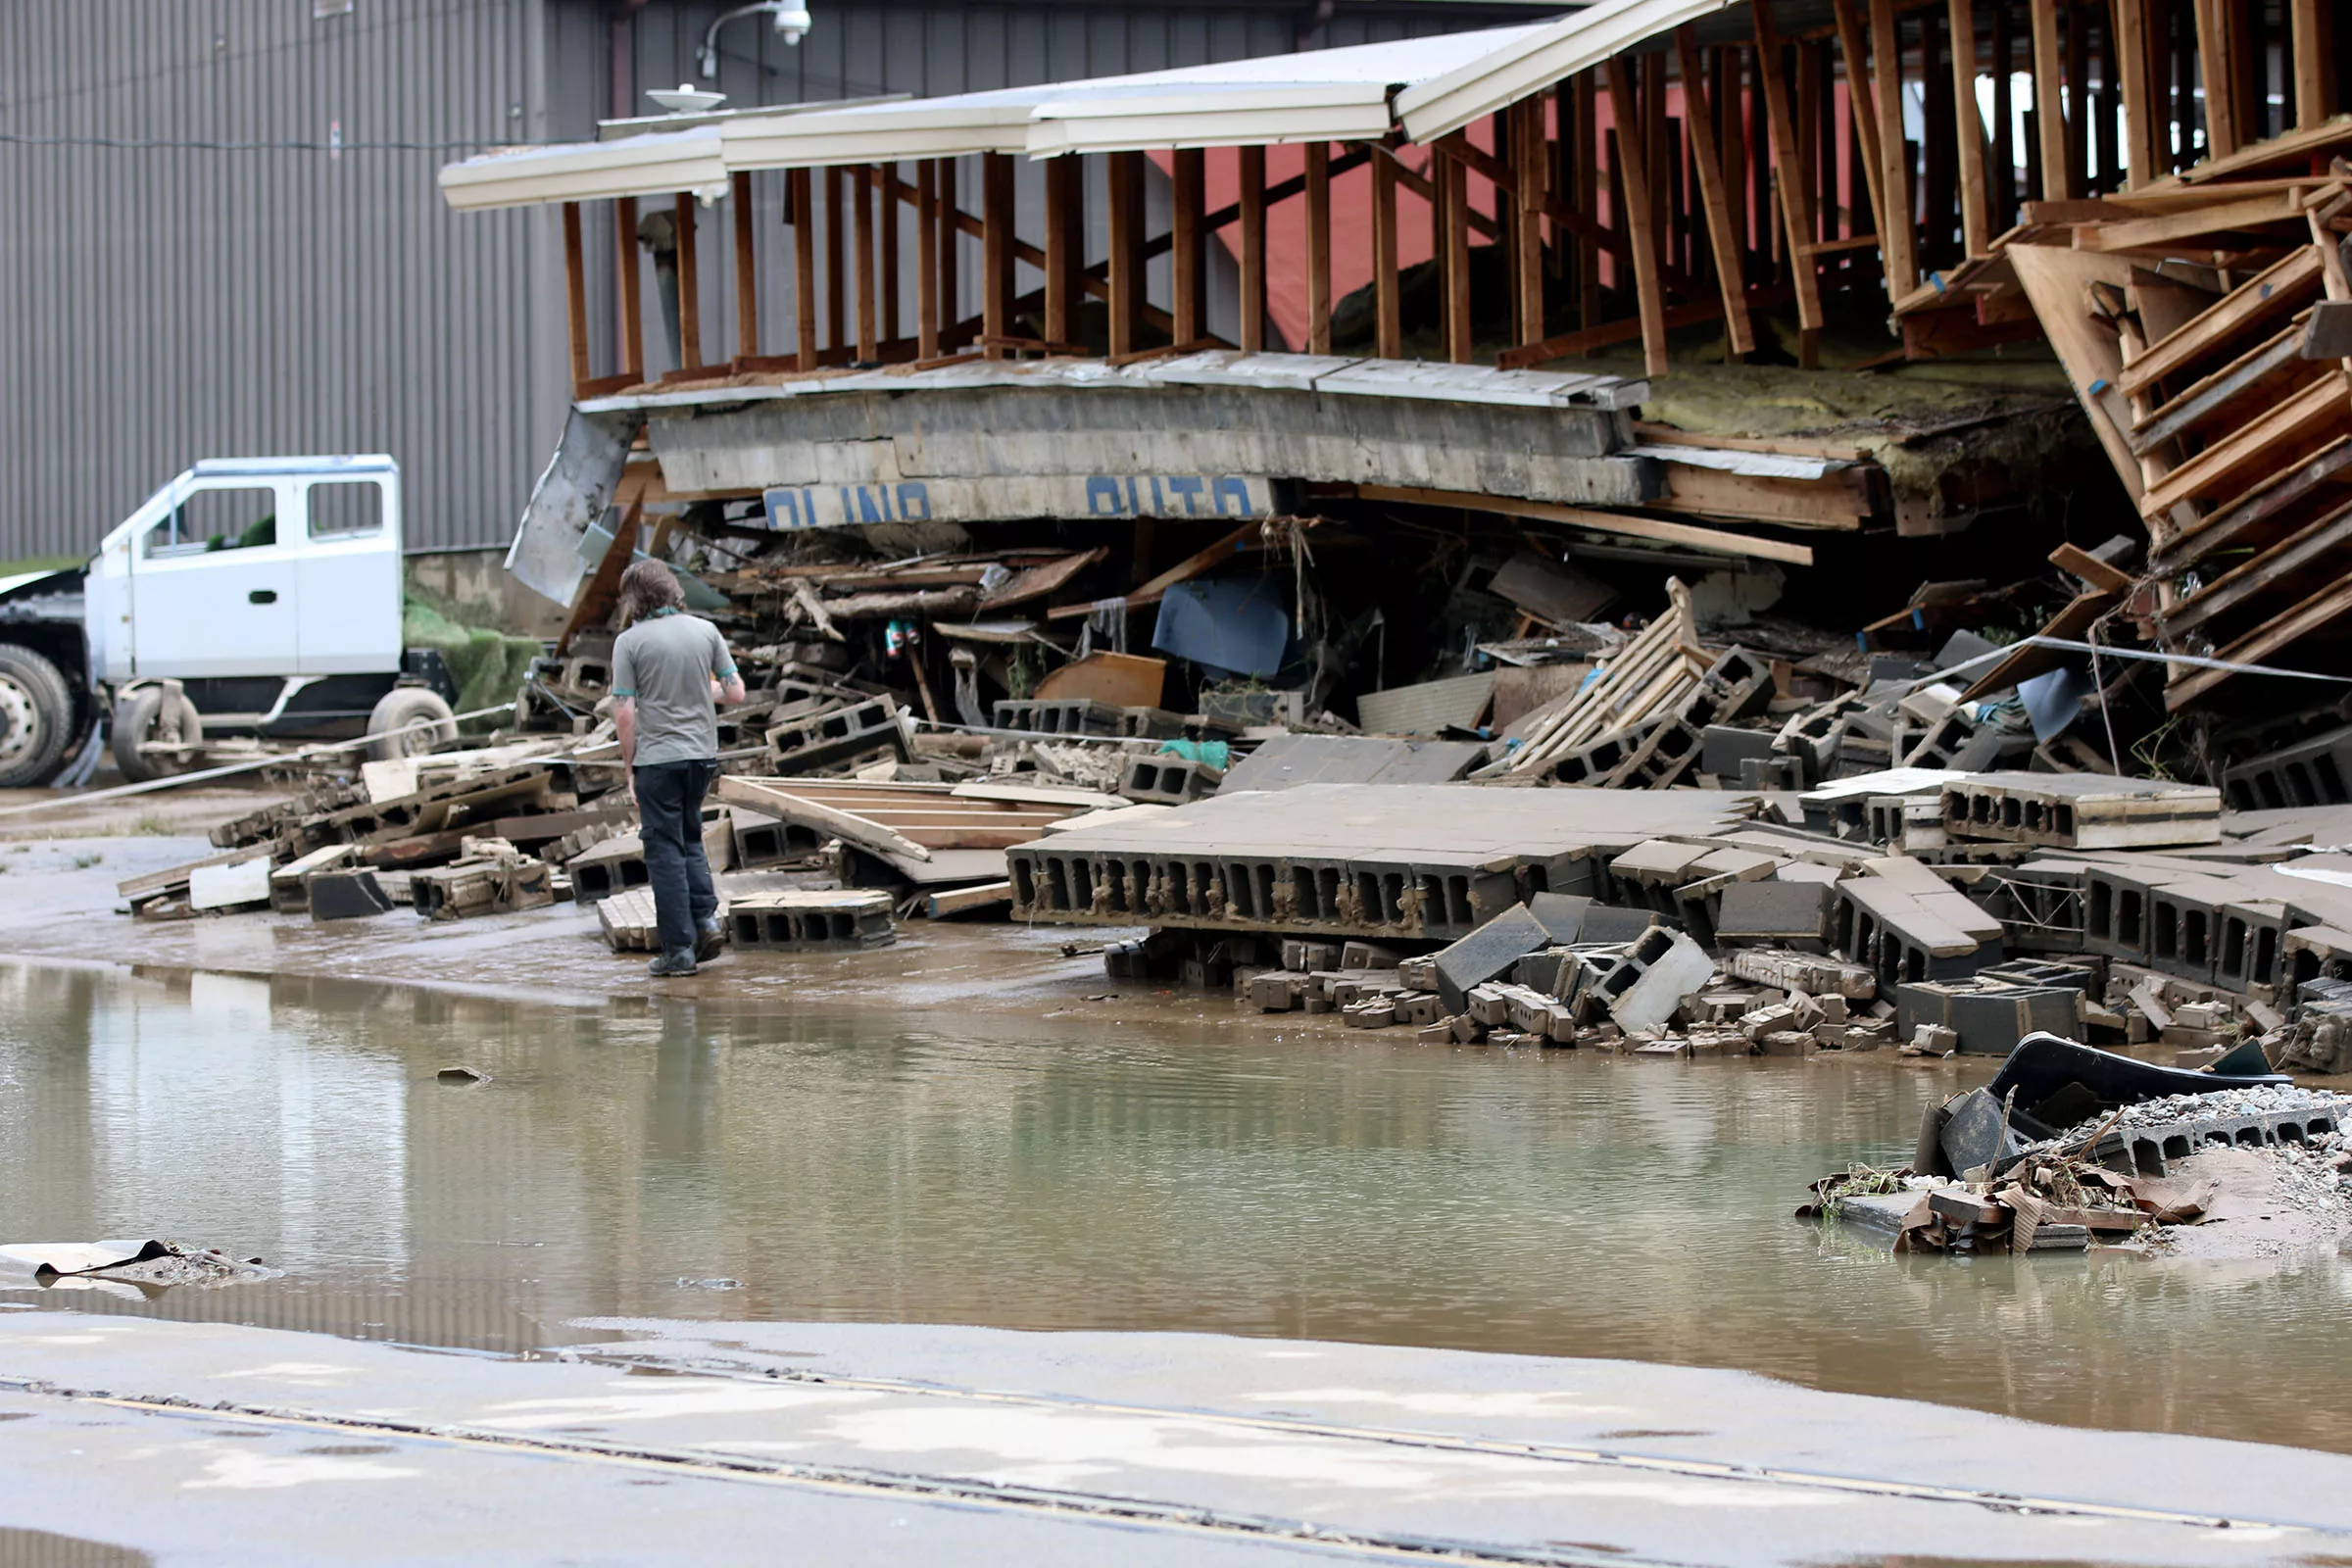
{"type": "Point", "coordinates": [1067, 1173]}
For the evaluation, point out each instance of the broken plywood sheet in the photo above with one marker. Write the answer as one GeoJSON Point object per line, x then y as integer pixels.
{"type": "Point", "coordinates": [1424, 709]}
{"type": "Point", "coordinates": [1286, 761]}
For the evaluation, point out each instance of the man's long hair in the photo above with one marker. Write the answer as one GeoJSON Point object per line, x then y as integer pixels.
{"type": "Point", "coordinates": [648, 586]}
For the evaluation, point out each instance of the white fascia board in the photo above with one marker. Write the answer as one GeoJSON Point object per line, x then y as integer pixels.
{"type": "Point", "coordinates": [589, 171]}
{"type": "Point", "coordinates": [1528, 64]}
{"type": "Point", "coordinates": [886, 133]}
{"type": "Point", "coordinates": [1250, 116]}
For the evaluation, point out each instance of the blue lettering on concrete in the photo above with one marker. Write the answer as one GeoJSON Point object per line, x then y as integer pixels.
{"type": "Point", "coordinates": [867, 510]}
{"type": "Point", "coordinates": [915, 501]}
{"type": "Point", "coordinates": [1239, 489]}
{"type": "Point", "coordinates": [1101, 497]}
{"type": "Point", "coordinates": [1190, 488]}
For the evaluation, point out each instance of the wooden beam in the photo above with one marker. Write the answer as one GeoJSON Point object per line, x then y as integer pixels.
{"type": "Point", "coordinates": [1717, 540]}
{"type": "Point", "coordinates": [1637, 225]}
{"type": "Point", "coordinates": [1584, 199]}
{"type": "Point", "coordinates": [1569, 345]}
{"type": "Point", "coordinates": [2058, 182]}
{"type": "Point", "coordinates": [2307, 547]}
{"type": "Point", "coordinates": [1898, 231]}
{"type": "Point", "coordinates": [1975, 229]}
{"type": "Point", "coordinates": [626, 286]}
{"type": "Point", "coordinates": [1252, 331]}
{"type": "Point", "coordinates": [1839, 500]}
{"type": "Point", "coordinates": [797, 183]}
{"type": "Point", "coordinates": [1730, 254]}
{"type": "Point", "coordinates": [1451, 220]}
{"type": "Point", "coordinates": [995, 247]}
{"type": "Point", "coordinates": [837, 283]}
{"type": "Point", "coordinates": [861, 231]}
{"type": "Point", "coordinates": [1126, 263]}
{"type": "Point", "coordinates": [1186, 255]}
{"type": "Point", "coordinates": [2279, 290]}
{"type": "Point", "coordinates": [1065, 243]}
{"type": "Point", "coordinates": [2129, 59]}
{"type": "Point", "coordinates": [2289, 432]}
{"type": "Point", "coordinates": [690, 287]}
{"type": "Point", "coordinates": [1387, 307]}
{"type": "Point", "coordinates": [1788, 179]}
{"type": "Point", "coordinates": [1525, 119]}
{"type": "Point", "coordinates": [2311, 30]}
{"type": "Point", "coordinates": [950, 293]}
{"type": "Point", "coordinates": [747, 269]}
{"type": "Point", "coordinates": [2327, 605]}
{"type": "Point", "coordinates": [1247, 537]}
{"type": "Point", "coordinates": [2218, 72]}
{"type": "Point", "coordinates": [887, 274]}
{"type": "Point", "coordinates": [575, 297]}
{"type": "Point", "coordinates": [2170, 229]}
{"type": "Point", "coordinates": [926, 260]}
{"type": "Point", "coordinates": [1318, 247]}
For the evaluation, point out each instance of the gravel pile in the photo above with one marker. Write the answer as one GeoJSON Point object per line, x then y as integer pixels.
{"type": "Point", "coordinates": [2258, 1100]}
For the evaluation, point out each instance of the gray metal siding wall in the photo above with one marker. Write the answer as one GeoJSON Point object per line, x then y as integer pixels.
{"type": "Point", "coordinates": [161, 305]}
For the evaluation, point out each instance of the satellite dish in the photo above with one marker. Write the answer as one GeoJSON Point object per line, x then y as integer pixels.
{"type": "Point", "coordinates": [687, 99]}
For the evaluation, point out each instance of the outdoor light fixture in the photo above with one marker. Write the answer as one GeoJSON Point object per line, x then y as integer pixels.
{"type": "Point", "coordinates": [686, 99]}
{"type": "Point", "coordinates": [793, 22]}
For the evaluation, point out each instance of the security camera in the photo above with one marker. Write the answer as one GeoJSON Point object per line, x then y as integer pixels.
{"type": "Point", "coordinates": [794, 23]}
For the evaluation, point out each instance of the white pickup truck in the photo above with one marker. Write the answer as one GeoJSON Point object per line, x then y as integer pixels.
{"type": "Point", "coordinates": [253, 597]}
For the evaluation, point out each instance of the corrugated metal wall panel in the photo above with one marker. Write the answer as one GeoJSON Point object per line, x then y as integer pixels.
{"type": "Point", "coordinates": [163, 304]}
{"type": "Point", "coordinates": [171, 303]}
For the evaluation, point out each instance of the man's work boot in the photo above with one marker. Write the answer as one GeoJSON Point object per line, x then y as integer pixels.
{"type": "Point", "coordinates": [677, 960]}
{"type": "Point", "coordinates": [709, 937]}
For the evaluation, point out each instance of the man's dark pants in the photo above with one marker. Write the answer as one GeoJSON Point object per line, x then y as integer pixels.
{"type": "Point", "coordinates": [669, 805]}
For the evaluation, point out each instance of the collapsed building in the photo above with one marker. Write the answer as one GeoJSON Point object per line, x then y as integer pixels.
{"type": "Point", "coordinates": [1821, 505]}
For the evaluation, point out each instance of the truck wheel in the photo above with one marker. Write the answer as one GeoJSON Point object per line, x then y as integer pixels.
{"type": "Point", "coordinates": [154, 714]}
{"type": "Point", "coordinates": [402, 706]}
{"type": "Point", "coordinates": [36, 715]}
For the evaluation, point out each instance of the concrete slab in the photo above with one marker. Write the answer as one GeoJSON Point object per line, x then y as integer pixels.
{"type": "Point", "coordinates": [862, 1442]}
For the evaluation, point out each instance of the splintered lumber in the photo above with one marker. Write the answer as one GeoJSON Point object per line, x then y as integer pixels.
{"type": "Point", "coordinates": [1645, 676]}
{"type": "Point", "coordinates": [1720, 541]}
{"type": "Point", "coordinates": [2257, 646]}
{"type": "Point", "coordinates": [2277, 292]}
{"type": "Point", "coordinates": [2054, 280]}
{"type": "Point", "coordinates": [850, 828]}
{"type": "Point", "coordinates": [913, 821]}
{"type": "Point", "coordinates": [2141, 233]}
{"type": "Point", "coordinates": [2286, 434]}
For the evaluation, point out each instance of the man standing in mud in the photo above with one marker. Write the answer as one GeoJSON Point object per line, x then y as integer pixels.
{"type": "Point", "coordinates": [670, 672]}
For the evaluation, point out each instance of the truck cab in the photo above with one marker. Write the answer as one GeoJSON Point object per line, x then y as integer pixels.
{"type": "Point", "coordinates": [256, 597]}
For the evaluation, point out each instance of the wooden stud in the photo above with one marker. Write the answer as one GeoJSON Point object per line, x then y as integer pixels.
{"type": "Point", "coordinates": [1862, 117]}
{"type": "Point", "coordinates": [1126, 260]}
{"type": "Point", "coordinates": [2076, 52]}
{"type": "Point", "coordinates": [1065, 235]}
{"type": "Point", "coordinates": [2004, 191]}
{"type": "Point", "coordinates": [886, 280]}
{"type": "Point", "coordinates": [1638, 219]}
{"type": "Point", "coordinates": [1387, 308]}
{"type": "Point", "coordinates": [2218, 70]}
{"type": "Point", "coordinates": [2049, 101]}
{"type": "Point", "coordinates": [951, 243]}
{"type": "Point", "coordinates": [690, 287]}
{"type": "Point", "coordinates": [1727, 94]}
{"type": "Point", "coordinates": [1898, 229]}
{"type": "Point", "coordinates": [747, 269]}
{"type": "Point", "coordinates": [1585, 196]}
{"type": "Point", "coordinates": [837, 283]}
{"type": "Point", "coordinates": [1186, 255]}
{"type": "Point", "coordinates": [1788, 184]}
{"type": "Point", "coordinates": [624, 271]}
{"type": "Point", "coordinates": [861, 229]}
{"type": "Point", "coordinates": [995, 247]}
{"type": "Point", "coordinates": [575, 297]}
{"type": "Point", "coordinates": [2311, 30]}
{"type": "Point", "coordinates": [926, 260]}
{"type": "Point", "coordinates": [1318, 247]}
{"type": "Point", "coordinates": [1731, 259]}
{"type": "Point", "coordinates": [1449, 217]}
{"type": "Point", "coordinates": [799, 197]}
{"type": "Point", "coordinates": [1253, 251]}
{"type": "Point", "coordinates": [1975, 230]}
{"type": "Point", "coordinates": [1531, 167]}
{"type": "Point", "coordinates": [2130, 58]}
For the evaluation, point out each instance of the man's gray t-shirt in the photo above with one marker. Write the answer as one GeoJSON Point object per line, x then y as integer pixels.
{"type": "Point", "coordinates": [666, 663]}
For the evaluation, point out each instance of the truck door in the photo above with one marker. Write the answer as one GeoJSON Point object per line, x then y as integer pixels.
{"type": "Point", "coordinates": [350, 574]}
{"type": "Point", "coordinates": [214, 583]}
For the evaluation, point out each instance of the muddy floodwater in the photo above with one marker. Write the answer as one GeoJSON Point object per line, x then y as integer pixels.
{"type": "Point", "coordinates": [1167, 1172]}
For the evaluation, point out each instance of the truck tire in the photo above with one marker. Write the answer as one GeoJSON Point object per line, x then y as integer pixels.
{"type": "Point", "coordinates": [404, 706]}
{"type": "Point", "coordinates": [154, 714]}
{"type": "Point", "coordinates": [36, 717]}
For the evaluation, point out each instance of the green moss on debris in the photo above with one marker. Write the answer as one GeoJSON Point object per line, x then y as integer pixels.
{"type": "Point", "coordinates": [487, 665]}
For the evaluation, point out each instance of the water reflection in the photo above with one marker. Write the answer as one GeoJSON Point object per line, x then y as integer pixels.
{"type": "Point", "coordinates": [1168, 1174]}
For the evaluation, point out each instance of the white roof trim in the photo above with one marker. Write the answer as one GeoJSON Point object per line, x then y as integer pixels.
{"type": "Point", "coordinates": [1212, 117]}
{"type": "Point", "coordinates": [1528, 64]}
{"type": "Point", "coordinates": [634, 165]}
{"type": "Point", "coordinates": [925, 127]}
